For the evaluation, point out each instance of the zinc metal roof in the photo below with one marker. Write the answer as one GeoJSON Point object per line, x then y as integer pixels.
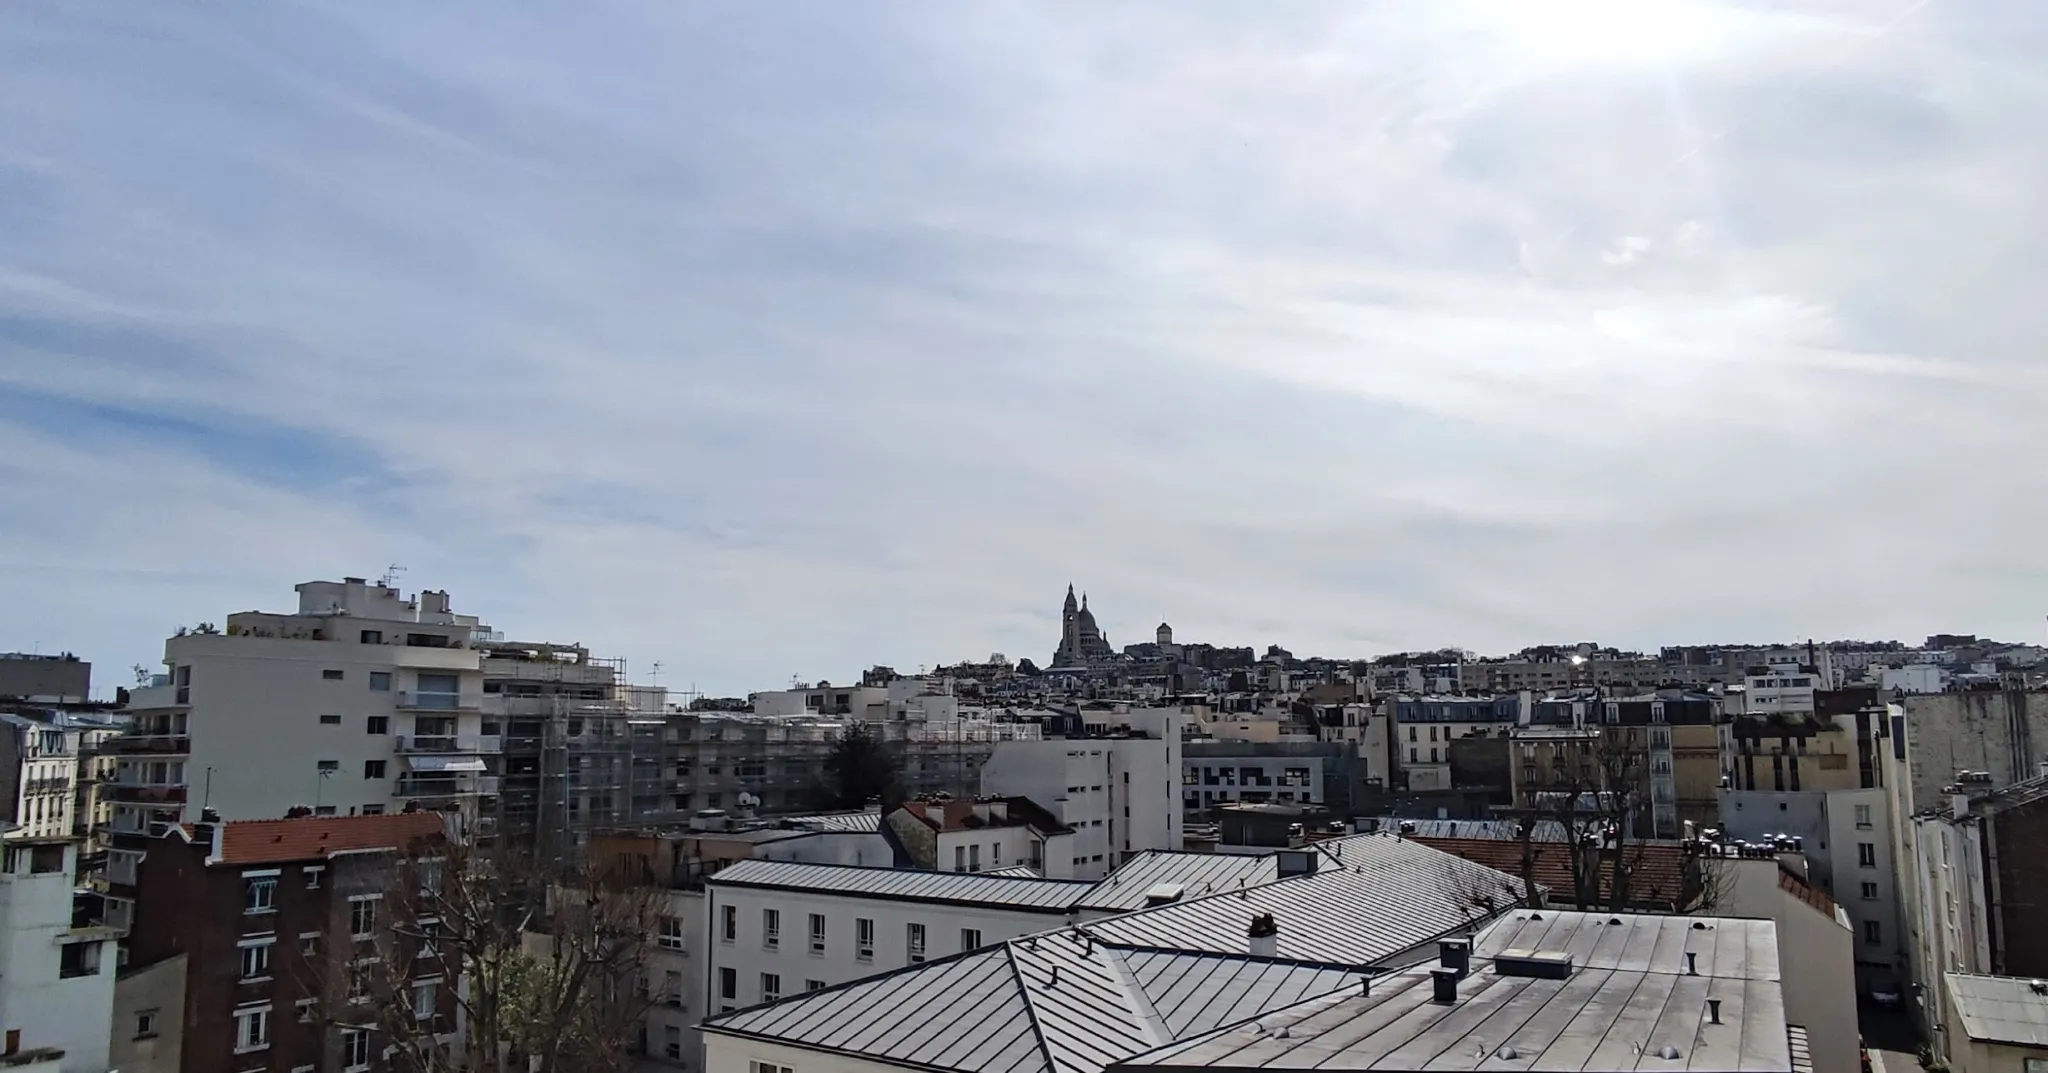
{"type": "Point", "coordinates": [1055, 896]}
{"type": "Point", "coordinates": [1015, 871]}
{"type": "Point", "coordinates": [2000, 1009]}
{"type": "Point", "coordinates": [1628, 998]}
{"type": "Point", "coordinates": [1052, 1003]}
{"type": "Point", "coordinates": [1381, 897]}
{"type": "Point", "coordinates": [869, 820]}
{"type": "Point", "coordinates": [1197, 874]}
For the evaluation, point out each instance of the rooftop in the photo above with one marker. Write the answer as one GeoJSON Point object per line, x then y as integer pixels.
{"type": "Point", "coordinates": [983, 813]}
{"type": "Point", "coordinates": [312, 838]}
{"type": "Point", "coordinates": [1657, 871]}
{"type": "Point", "coordinates": [2000, 1009]}
{"type": "Point", "coordinates": [1055, 896]}
{"type": "Point", "coordinates": [1628, 997]}
{"type": "Point", "coordinates": [1196, 874]}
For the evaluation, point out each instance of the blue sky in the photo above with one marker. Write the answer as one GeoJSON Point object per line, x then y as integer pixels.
{"type": "Point", "coordinates": [783, 339]}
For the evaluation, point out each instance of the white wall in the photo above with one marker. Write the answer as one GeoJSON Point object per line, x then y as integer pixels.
{"type": "Point", "coordinates": [1815, 958]}
{"type": "Point", "coordinates": [35, 998]}
{"type": "Point", "coordinates": [1120, 795]}
{"type": "Point", "coordinates": [792, 959]}
{"type": "Point", "coordinates": [684, 1010]}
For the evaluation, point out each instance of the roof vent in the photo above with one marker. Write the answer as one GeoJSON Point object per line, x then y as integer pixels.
{"type": "Point", "coordinates": [1713, 1011]}
{"type": "Point", "coordinates": [1699, 925]}
{"type": "Point", "coordinates": [2038, 987]}
{"type": "Point", "coordinates": [1667, 1052]}
{"type": "Point", "coordinates": [1692, 963]}
{"type": "Point", "coordinates": [1164, 893]}
{"type": "Point", "coordinates": [1535, 964]}
{"type": "Point", "coordinates": [1455, 954]}
{"type": "Point", "coordinates": [1446, 984]}
{"type": "Point", "coordinates": [1614, 920]}
{"type": "Point", "coordinates": [1507, 1054]}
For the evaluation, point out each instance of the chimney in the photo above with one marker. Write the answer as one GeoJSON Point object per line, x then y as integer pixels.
{"type": "Point", "coordinates": [1713, 1011]}
{"type": "Point", "coordinates": [1446, 985]}
{"type": "Point", "coordinates": [207, 831]}
{"type": "Point", "coordinates": [1263, 937]}
{"type": "Point", "coordinates": [1455, 955]}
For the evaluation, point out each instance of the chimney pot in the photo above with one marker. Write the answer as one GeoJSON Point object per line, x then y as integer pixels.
{"type": "Point", "coordinates": [1692, 963]}
{"type": "Point", "coordinates": [1713, 1011]}
{"type": "Point", "coordinates": [1446, 984]}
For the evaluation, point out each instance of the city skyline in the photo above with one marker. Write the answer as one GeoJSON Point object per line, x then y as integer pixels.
{"type": "Point", "coordinates": [801, 338]}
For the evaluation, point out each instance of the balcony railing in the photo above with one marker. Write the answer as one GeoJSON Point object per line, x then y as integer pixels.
{"type": "Point", "coordinates": [147, 745]}
{"type": "Point", "coordinates": [129, 793]}
{"type": "Point", "coordinates": [155, 696]}
{"type": "Point", "coordinates": [467, 786]}
{"type": "Point", "coordinates": [436, 702]}
{"type": "Point", "coordinates": [452, 743]}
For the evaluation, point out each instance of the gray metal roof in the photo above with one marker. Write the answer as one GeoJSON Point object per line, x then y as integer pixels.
{"type": "Point", "coordinates": [1052, 1003]}
{"type": "Point", "coordinates": [1386, 896]}
{"type": "Point", "coordinates": [1015, 871]}
{"type": "Point", "coordinates": [868, 820]}
{"type": "Point", "coordinates": [2000, 1009]}
{"type": "Point", "coordinates": [1628, 998]}
{"type": "Point", "coordinates": [1056, 896]}
{"type": "Point", "coordinates": [1197, 874]}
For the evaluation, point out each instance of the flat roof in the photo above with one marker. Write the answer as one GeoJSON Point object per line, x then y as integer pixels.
{"type": "Point", "coordinates": [2000, 1009]}
{"type": "Point", "coordinates": [1629, 1002]}
{"type": "Point", "coordinates": [1055, 896]}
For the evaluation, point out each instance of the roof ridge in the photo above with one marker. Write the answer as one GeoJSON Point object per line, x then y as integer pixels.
{"type": "Point", "coordinates": [1141, 1003]}
{"type": "Point", "coordinates": [906, 871]}
{"type": "Point", "coordinates": [1030, 1008]}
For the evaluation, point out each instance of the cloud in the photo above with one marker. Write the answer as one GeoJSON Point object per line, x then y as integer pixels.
{"type": "Point", "coordinates": [804, 337]}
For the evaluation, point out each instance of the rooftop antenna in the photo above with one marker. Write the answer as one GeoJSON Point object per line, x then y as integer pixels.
{"type": "Point", "coordinates": [656, 672]}
{"type": "Point", "coordinates": [390, 577]}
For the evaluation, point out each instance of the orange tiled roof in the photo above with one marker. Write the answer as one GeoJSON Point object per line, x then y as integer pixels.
{"type": "Point", "coordinates": [1805, 892]}
{"type": "Point", "coordinates": [1658, 875]}
{"type": "Point", "coordinates": [312, 838]}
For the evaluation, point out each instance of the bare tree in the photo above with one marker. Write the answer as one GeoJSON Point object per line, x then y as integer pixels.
{"type": "Point", "coordinates": [1597, 798]}
{"type": "Point", "coordinates": [540, 973]}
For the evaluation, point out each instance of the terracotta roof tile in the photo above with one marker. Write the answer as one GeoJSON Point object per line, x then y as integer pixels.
{"type": "Point", "coordinates": [1800, 889]}
{"type": "Point", "coordinates": [1657, 879]}
{"type": "Point", "coordinates": [312, 838]}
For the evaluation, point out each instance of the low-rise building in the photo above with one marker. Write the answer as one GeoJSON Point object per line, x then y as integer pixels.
{"type": "Point", "coordinates": [56, 977]}
{"type": "Point", "coordinates": [1996, 1024]}
{"type": "Point", "coordinates": [263, 944]}
{"type": "Point", "coordinates": [984, 834]}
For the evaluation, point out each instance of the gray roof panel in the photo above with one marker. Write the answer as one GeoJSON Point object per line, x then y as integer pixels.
{"type": "Point", "coordinates": [1999, 1009]}
{"type": "Point", "coordinates": [1053, 896]}
{"type": "Point", "coordinates": [1197, 874]}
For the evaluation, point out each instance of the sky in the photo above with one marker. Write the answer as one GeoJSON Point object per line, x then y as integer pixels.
{"type": "Point", "coordinates": [780, 340]}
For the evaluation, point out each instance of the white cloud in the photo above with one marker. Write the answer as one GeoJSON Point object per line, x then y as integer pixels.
{"type": "Point", "coordinates": [793, 339]}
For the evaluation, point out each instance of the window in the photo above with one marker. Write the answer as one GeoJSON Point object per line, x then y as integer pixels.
{"type": "Point", "coordinates": [145, 1024]}
{"type": "Point", "coordinates": [355, 1050]}
{"type": "Point", "coordinates": [771, 928]}
{"type": "Point", "coordinates": [728, 987]}
{"type": "Point", "coordinates": [252, 1029]}
{"type": "Point", "coordinates": [359, 981]}
{"type": "Point", "coordinates": [1869, 892]}
{"type": "Point", "coordinates": [430, 933]}
{"type": "Point", "coordinates": [259, 895]}
{"type": "Point", "coordinates": [426, 998]}
{"type": "Point", "coordinates": [1411, 733]}
{"type": "Point", "coordinates": [256, 959]}
{"type": "Point", "coordinates": [377, 724]}
{"type": "Point", "coordinates": [814, 985]}
{"type": "Point", "coordinates": [1412, 755]}
{"type": "Point", "coordinates": [959, 858]}
{"type": "Point", "coordinates": [313, 875]}
{"type": "Point", "coordinates": [1863, 816]}
{"type": "Point", "coordinates": [330, 765]}
{"type": "Point", "coordinates": [330, 720]}
{"type": "Point", "coordinates": [729, 927]}
{"type": "Point", "coordinates": [309, 943]}
{"type": "Point", "coordinates": [672, 988]}
{"type": "Point", "coordinates": [308, 1008]}
{"type": "Point", "coordinates": [970, 939]}
{"type": "Point", "coordinates": [766, 1067]}
{"type": "Point", "coordinates": [332, 676]}
{"type": "Point", "coordinates": [914, 941]}
{"type": "Point", "coordinates": [427, 871]}
{"type": "Point", "coordinates": [771, 987]}
{"type": "Point", "coordinates": [672, 1042]}
{"type": "Point", "coordinates": [380, 681]}
{"type": "Point", "coordinates": [362, 916]}
{"type": "Point", "coordinates": [817, 933]}
{"type": "Point", "coordinates": [671, 936]}
{"type": "Point", "coordinates": [974, 857]}
{"type": "Point", "coordinates": [864, 939]}
{"type": "Point", "coordinates": [1866, 854]}
{"type": "Point", "coordinates": [373, 769]}
{"type": "Point", "coordinates": [1873, 933]}
{"type": "Point", "coordinates": [373, 810]}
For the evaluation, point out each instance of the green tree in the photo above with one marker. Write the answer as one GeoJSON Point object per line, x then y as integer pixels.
{"type": "Point", "coordinates": [861, 768]}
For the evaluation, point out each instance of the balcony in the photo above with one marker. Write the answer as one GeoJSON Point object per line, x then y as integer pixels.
{"type": "Point", "coordinates": [163, 696]}
{"type": "Point", "coordinates": [133, 794]}
{"type": "Point", "coordinates": [452, 744]}
{"type": "Point", "coordinates": [472, 786]}
{"type": "Point", "coordinates": [147, 745]}
{"type": "Point", "coordinates": [411, 701]}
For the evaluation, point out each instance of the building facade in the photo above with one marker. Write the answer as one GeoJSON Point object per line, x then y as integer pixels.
{"type": "Point", "coordinates": [1117, 785]}
{"type": "Point", "coordinates": [56, 975]}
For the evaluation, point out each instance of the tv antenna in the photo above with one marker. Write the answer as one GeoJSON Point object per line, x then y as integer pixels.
{"type": "Point", "coordinates": [390, 575]}
{"type": "Point", "coordinates": [656, 672]}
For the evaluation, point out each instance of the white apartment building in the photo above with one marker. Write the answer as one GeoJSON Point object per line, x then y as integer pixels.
{"type": "Point", "coordinates": [357, 702]}
{"type": "Point", "coordinates": [1118, 788]}
{"type": "Point", "coordinates": [1911, 678]}
{"type": "Point", "coordinates": [1783, 690]}
{"type": "Point", "coordinates": [984, 835]}
{"type": "Point", "coordinates": [1847, 840]}
{"type": "Point", "coordinates": [56, 981]}
{"type": "Point", "coordinates": [46, 803]}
